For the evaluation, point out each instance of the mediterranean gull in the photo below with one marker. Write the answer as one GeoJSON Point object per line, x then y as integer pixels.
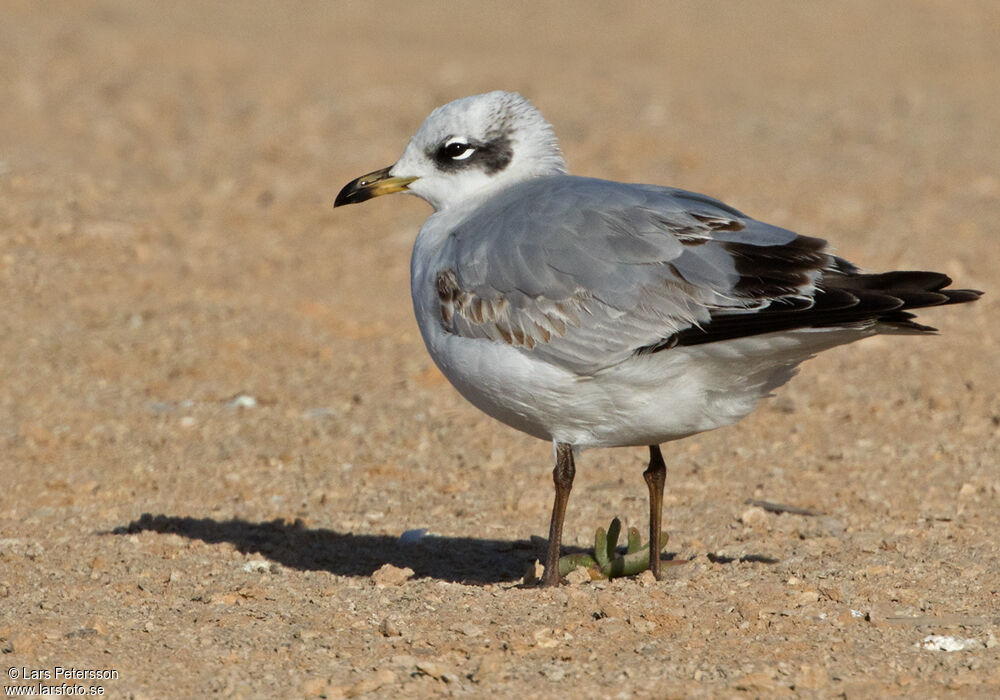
{"type": "Point", "coordinates": [594, 313]}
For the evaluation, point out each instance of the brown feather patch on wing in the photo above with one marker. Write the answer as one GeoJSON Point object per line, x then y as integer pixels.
{"type": "Point", "coordinates": [492, 318]}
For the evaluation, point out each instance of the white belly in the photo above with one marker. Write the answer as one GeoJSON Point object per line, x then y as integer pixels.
{"type": "Point", "coordinates": [645, 400]}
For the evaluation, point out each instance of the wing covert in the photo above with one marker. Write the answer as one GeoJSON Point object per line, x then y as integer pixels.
{"type": "Point", "coordinates": [586, 272]}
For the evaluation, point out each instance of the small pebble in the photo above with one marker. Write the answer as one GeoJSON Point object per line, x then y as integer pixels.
{"type": "Point", "coordinates": [257, 566]}
{"type": "Point", "coordinates": [469, 629]}
{"type": "Point", "coordinates": [754, 517]}
{"type": "Point", "coordinates": [489, 667]}
{"type": "Point", "coordinates": [314, 688]}
{"type": "Point", "coordinates": [534, 573]}
{"type": "Point", "coordinates": [412, 536]}
{"type": "Point", "coordinates": [370, 684]}
{"type": "Point", "coordinates": [430, 668]}
{"type": "Point", "coordinates": [389, 628]}
{"type": "Point", "coordinates": [243, 401]}
{"type": "Point", "coordinates": [937, 642]}
{"type": "Point", "coordinates": [389, 575]}
{"type": "Point", "coordinates": [646, 578]}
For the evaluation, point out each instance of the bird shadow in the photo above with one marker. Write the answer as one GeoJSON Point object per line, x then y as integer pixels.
{"type": "Point", "coordinates": [292, 544]}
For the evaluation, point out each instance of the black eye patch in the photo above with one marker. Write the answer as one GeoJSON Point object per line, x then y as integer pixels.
{"type": "Point", "coordinates": [491, 156]}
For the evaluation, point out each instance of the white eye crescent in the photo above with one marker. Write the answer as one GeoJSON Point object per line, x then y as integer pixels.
{"type": "Point", "coordinates": [457, 149]}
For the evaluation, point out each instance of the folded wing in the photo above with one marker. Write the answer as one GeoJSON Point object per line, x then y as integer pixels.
{"type": "Point", "coordinates": [587, 273]}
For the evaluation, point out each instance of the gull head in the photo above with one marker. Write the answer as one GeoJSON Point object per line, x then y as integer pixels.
{"type": "Point", "coordinates": [465, 149]}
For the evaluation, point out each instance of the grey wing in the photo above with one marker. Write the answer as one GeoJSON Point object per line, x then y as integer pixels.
{"type": "Point", "coordinates": [585, 272]}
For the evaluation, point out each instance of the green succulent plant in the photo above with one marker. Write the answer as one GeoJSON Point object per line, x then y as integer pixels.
{"type": "Point", "coordinates": [606, 561]}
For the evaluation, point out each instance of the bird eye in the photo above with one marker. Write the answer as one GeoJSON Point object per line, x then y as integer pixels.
{"type": "Point", "coordinates": [457, 150]}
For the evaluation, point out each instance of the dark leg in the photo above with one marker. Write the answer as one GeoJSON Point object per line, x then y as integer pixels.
{"type": "Point", "coordinates": [655, 476]}
{"type": "Point", "coordinates": [562, 475]}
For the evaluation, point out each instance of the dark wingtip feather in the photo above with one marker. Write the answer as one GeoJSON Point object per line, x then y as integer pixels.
{"type": "Point", "coordinates": [961, 296]}
{"type": "Point", "coordinates": [844, 297]}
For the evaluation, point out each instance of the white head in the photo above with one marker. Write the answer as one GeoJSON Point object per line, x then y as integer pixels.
{"type": "Point", "coordinates": [465, 148]}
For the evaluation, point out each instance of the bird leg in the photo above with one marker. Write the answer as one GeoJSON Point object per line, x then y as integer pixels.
{"type": "Point", "coordinates": [562, 475]}
{"type": "Point", "coordinates": [655, 476]}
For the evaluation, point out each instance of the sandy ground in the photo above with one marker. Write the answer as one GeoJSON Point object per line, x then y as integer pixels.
{"type": "Point", "coordinates": [168, 246]}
